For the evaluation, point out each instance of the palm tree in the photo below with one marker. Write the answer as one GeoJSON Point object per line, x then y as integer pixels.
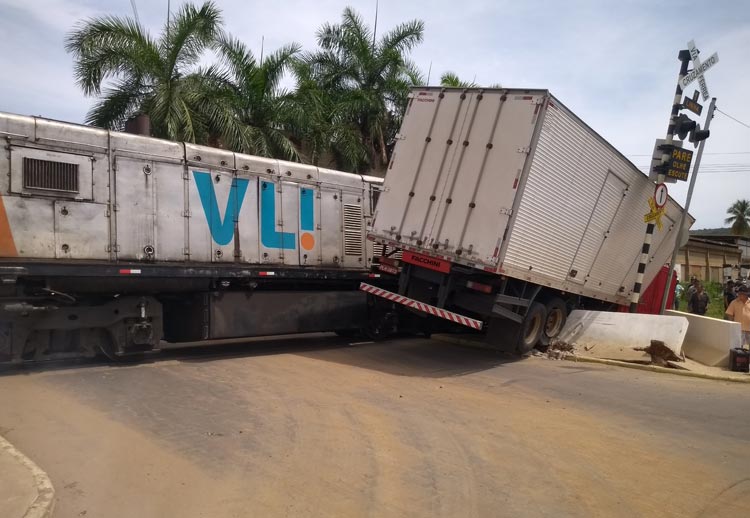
{"type": "Point", "coordinates": [739, 218]}
{"type": "Point", "coordinates": [243, 104]}
{"type": "Point", "coordinates": [367, 79]}
{"type": "Point", "coordinates": [450, 79]}
{"type": "Point", "coordinates": [145, 75]}
{"type": "Point", "coordinates": [325, 130]}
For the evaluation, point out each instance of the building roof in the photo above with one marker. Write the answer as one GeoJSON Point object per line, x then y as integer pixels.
{"type": "Point", "coordinates": [713, 232]}
{"type": "Point", "coordinates": [730, 247]}
{"type": "Point", "coordinates": [720, 234]}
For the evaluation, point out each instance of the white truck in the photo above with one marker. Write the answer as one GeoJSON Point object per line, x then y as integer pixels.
{"type": "Point", "coordinates": [510, 211]}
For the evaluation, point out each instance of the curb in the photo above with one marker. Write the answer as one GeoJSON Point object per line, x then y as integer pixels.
{"type": "Point", "coordinates": [44, 503]}
{"type": "Point", "coordinates": [615, 363]}
{"type": "Point", "coordinates": [656, 368]}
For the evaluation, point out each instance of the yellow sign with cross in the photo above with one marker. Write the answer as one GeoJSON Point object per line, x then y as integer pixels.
{"type": "Point", "coordinates": [654, 214]}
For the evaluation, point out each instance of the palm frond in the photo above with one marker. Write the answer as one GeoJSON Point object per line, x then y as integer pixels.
{"type": "Point", "coordinates": [189, 33]}
{"type": "Point", "coordinates": [109, 46]}
{"type": "Point", "coordinates": [117, 105]}
{"type": "Point", "coordinates": [403, 37]}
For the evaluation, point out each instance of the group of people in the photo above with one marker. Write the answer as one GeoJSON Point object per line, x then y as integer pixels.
{"type": "Point", "coordinates": [736, 303]}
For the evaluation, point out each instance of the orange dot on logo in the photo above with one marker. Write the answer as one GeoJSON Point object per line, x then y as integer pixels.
{"type": "Point", "coordinates": [308, 241]}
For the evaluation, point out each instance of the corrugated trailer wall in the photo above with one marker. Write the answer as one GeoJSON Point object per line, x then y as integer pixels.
{"type": "Point", "coordinates": [579, 224]}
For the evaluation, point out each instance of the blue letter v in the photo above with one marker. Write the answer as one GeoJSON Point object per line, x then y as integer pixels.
{"type": "Point", "coordinates": [222, 229]}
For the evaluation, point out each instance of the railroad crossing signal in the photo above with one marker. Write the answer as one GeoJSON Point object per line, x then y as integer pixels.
{"type": "Point", "coordinates": [699, 69]}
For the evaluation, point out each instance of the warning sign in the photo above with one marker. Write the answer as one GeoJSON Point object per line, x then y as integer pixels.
{"type": "Point", "coordinates": [654, 214]}
{"type": "Point", "coordinates": [678, 165]}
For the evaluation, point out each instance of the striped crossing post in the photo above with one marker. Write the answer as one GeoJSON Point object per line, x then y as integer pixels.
{"type": "Point", "coordinates": [684, 57]}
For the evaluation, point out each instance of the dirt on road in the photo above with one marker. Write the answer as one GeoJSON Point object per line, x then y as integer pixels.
{"type": "Point", "coordinates": [403, 428]}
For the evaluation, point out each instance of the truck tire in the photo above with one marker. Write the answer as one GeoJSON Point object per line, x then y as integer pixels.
{"type": "Point", "coordinates": [532, 328]}
{"type": "Point", "coordinates": [557, 314]}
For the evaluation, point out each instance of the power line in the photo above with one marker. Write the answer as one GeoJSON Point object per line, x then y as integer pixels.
{"type": "Point", "coordinates": [735, 120]}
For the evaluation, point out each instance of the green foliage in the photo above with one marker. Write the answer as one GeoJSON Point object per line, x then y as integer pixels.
{"type": "Point", "coordinates": [450, 79]}
{"type": "Point", "coordinates": [346, 109]}
{"type": "Point", "coordinates": [241, 101]}
{"type": "Point", "coordinates": [145, 75]}
{"type": "Point", "coordinates": [739, 218]}
{"type": "Point", "coordinates": [364, 82]}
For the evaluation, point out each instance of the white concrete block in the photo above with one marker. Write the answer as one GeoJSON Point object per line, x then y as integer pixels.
{"type": "Point", "coordinates": [709, 340]}
{"type": "Point", "coordinates": [611, 335]}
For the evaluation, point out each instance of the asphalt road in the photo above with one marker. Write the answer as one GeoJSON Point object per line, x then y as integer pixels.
{"type": "Point", "coordinates": [408, 427]}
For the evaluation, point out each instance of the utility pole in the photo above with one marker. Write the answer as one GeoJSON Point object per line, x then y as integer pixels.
{"type": "Point", "coordinates": [683, 218]}
{"type": "Point", "coordinates": [684, 57]}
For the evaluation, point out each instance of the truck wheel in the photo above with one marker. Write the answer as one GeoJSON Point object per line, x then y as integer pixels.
{"type": "Point", "coordinates": [557, 314]}
{"type": "Point", "coordinates": [532, 329]}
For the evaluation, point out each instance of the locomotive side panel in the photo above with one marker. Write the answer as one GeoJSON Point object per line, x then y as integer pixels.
{"type": "Point", "coordinates": [79, 193]}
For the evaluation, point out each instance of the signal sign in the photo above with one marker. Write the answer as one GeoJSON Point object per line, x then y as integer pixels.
{"type": "Point", "coordinates": [692, 104]}
{"type": "Point", "coordinates": [660, 195]}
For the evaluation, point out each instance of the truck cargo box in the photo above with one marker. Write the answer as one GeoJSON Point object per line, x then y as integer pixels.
{"type": "Point", "coordinates": [512, 182]}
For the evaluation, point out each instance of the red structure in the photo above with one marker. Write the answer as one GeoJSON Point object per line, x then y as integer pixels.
{"type": "Point", "coordinates": [651, 298]}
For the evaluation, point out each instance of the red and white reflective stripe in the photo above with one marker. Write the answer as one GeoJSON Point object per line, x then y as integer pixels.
{"type": "Point", "coordinates": [374, 275]}
{"type": "Point", "coordinates": [129, 271]}
{"type": "Point", "coordinates": [421, 306]}
{"type": "Point", "coordinates": [266, 274]}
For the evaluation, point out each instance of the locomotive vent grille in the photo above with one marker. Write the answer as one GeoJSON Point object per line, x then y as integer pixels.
{"type": "Point", "coordinates": [353, 222]}
{"type": "Point", "coordinates": [49, 175]}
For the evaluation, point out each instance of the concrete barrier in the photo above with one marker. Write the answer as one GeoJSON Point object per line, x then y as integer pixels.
{"type": "Point", "coordinates": [611, 335]}
{"type": "Point", "coordinates": [708, 340]}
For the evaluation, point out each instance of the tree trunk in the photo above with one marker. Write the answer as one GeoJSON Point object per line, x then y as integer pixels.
{"type": "Point", "coordinates": [383, 154]}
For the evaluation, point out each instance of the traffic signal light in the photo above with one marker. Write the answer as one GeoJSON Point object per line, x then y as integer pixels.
{"type": "Point", "coordinates": [685, 126]}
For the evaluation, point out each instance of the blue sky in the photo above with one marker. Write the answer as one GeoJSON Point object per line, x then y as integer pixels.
{"type": "Point", "coordinates": [612, 62]}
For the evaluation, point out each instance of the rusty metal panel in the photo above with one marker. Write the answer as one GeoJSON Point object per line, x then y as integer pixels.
{"type": "Point", "coordinates": [248, 221]}
{"type": "Point", "coordinates": [309, 226]}
{"type": "Point", "coordinates": [331, 221]}
{"type": "Point", "coordinates": [81, 230]}
{"type": "Point", "coordinates": [170, 234]}
{"type": "Point", "coordinates": [32, 225]}
{"type": "Point", "coordinates": [288, 218]}
{"type": "Point", "coordinates": [135, 208]}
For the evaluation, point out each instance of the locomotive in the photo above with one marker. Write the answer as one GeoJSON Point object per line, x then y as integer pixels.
{"type": "Point", "coordinates": [115, 243]}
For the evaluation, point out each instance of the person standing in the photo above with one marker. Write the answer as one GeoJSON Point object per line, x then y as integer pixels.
{"type": "Point", "coordinates": [698, 302]}
{"type": "Point", "coordinates": [729, 295]}
{"type": "Point", "coordinates": [678, 291]}
{"type": "Point", "coordinates": [690, 293]}
{"type": "Point", "coordinates": [739, 311]}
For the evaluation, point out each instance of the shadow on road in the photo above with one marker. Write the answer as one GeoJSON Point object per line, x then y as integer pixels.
{"type": "Point", "coordinates": [401, 356]}
{"type": "Point", "coordinates": [416, 357]}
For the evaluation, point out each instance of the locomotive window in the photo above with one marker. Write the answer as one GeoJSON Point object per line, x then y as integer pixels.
{"type": "Point", "coordinates": [49, 175]}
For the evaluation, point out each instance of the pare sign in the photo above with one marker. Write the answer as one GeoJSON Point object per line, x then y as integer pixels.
{"type": "Point", "coordinates": [679, 163]}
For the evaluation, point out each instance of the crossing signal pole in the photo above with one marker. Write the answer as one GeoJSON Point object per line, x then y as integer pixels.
{"type": "Point", "coordinates": [684, 57]}
{"type": "Point", "coordinates": [683, 218]}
